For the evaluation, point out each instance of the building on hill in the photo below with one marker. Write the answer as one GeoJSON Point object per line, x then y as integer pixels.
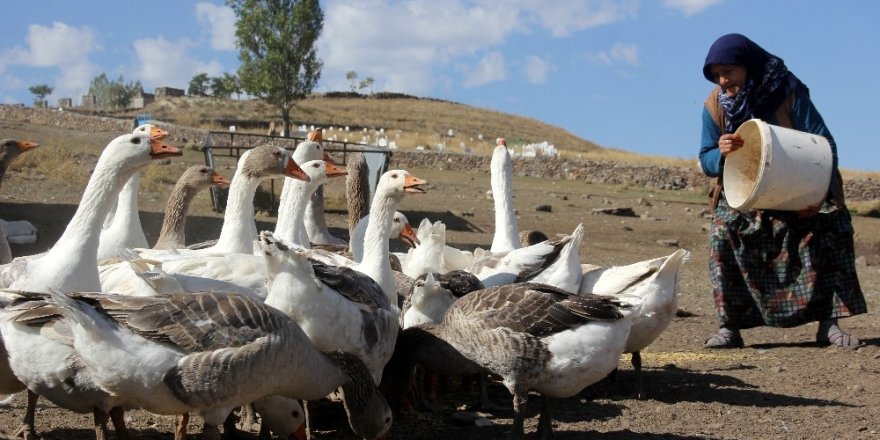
{"type": "Point", "coordinates": [142, 100]}
{"type": "Point", "coordinates": [65, 102]}
{"type": "Point", "coordinates": [165, 92]}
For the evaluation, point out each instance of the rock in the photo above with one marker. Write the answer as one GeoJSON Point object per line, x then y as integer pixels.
{"type": "Point", "coordinates": [625, 212]}
{"type": "Point", "coordinates": [463, 418]}
{"type": "Point", "coordinates": [668, 242]}
{"type": "Point", "coordinates": [861, 261]}
{"type": "Point", "coordinates": [543, 208]}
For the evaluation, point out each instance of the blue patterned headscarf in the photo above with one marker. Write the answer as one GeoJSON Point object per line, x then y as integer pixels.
{"type": "Point", "coordinates": [768, 83]}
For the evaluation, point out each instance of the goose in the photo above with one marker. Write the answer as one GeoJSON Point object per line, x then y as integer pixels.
{"type": "Point", "coordinates": [123, 230]}
{"type": "Point", "coordinates": [193, 180]}
{"type": "Point", "coordinates": [207, 353]}
{"type": "Point", "coordinates": [10, 149]}
{"type": "Point", "coordinates": [400, 228]}
{"type": "Point", "coordinates": [71, 264]}
{"type": "Point", "coordinates": [19, 231]}
{"type": "Point", "coordinates": [534, 336]}
{"type": "Point", "coordinates": [287, 225]}
{"type": "Point", "coordinates": [529, 237]}
{"type": "Point", "coordinates": [656, 283]}
{"type": "Point", "coordinates": [555, 262]}
{"type": "Point", "coordinates": [291, 213]}
{"type": "Point", "coordinates": [433, 293]}
{"type": "Point", "coordinates": [316, 226]}
{"type": "Point", "coordinates": [357, 193]}
{"type": "Point", "coordinates": [5, 250]}
{"type": "Point", "coordinates": [506, 236]}
{"type": "Point", "coordinates": [231, 258]}
{"type": "Point", "coordinates": [432, 254]}
{"type": "Point", "coordinates": [337, 307]}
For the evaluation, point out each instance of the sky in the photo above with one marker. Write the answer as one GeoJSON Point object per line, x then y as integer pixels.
{"type": "Point", "coordinates": [625, 74]}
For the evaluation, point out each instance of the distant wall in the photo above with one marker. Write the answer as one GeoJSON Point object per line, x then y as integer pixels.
{"type": "Point", "coordinates": [609, 173]}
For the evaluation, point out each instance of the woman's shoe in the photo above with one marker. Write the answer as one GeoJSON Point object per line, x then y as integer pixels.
{"type": "Point", "coordinates": [830, 334]}
{"type": "Point", "coordinates": [725, 338]}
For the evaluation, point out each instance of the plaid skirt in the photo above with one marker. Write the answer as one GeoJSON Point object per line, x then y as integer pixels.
{"type": "Point", "coordinates": [773, 268]}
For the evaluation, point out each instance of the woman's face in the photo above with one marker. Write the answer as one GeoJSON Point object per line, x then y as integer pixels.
{"type": "Point", "coordinates": [730, 77]}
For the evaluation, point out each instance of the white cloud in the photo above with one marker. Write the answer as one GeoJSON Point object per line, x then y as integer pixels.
{"type": "Point", "coordinates": [220, 22]}
{"type": "Point", "coordinates": [166, 63]}
{"type": "Point", "coordinates": [58, 46]}
{"type": "Point", "coordinates": [537, 69]}
{"type": "Point", "coordinates": [402, 45]}
{"type": "Point", "coordinates": [563, 18]}
{"type": "Point", "coordinates": [489, 69]}
{"type": "Point", "coordinates": [620, 53]}
{"type": "Point", "coordinates": [690, 7]}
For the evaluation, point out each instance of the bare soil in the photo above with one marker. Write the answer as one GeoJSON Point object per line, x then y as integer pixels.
{"type": "Point", "coordinates": [781, 386]}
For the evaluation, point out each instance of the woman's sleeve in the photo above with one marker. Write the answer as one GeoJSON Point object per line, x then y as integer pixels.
{"type": "Point", "coordinates": [805, 117]}
{"type": "Point", "coordinates": [710, 157]}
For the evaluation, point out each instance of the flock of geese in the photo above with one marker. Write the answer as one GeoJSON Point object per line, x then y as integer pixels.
{"type": "Point", "coordinates": [268, 320]}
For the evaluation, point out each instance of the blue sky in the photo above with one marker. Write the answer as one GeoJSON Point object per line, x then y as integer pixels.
{"type": "Point", "coordinates": [625, 74]}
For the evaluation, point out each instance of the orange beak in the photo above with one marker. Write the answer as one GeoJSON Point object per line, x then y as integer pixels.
{"type": "Point", "coordinates": [327, 158]}
{"type": "Point", "coordinates": [26, 145]}
{"type": "Point", "coordinates": [293, 170]}
{"type": "Point", "coordinates": [157, 133]}
{"type": "Point", "coordinates": [409, 236]}
{"type": "Point", "coordinates": [217, 179]}
{"type": "Point", "coordinates": [412, 184]}
{"type": "Point", "coordinates": [333, 170]}
{"type": "Point", "coordinates": [158, 150]}
{"type": "Point", "coordinates": [300, 433]}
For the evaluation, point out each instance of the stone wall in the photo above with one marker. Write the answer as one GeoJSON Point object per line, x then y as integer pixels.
{"type": "Point", "coordinates": [601, 172]}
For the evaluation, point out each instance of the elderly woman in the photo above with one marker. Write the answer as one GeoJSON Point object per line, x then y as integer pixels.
{"type": "Point", "coordinates": [773, 268]}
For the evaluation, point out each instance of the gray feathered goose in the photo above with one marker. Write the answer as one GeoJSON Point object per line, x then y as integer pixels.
{"type": "Point", "coordinates": [536, 337]}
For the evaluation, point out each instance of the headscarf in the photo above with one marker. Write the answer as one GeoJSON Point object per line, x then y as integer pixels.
{"type": "Point", "coordinates": [768, 83]}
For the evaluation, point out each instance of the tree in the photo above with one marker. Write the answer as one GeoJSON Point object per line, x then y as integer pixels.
{"type": "Point", "coordinates": [232, 84]}
{"type": "Point", "coordinates": [352, 78]}
{"type": "Point", "coordinates": [198, 85]}
{"type": "Point", "coordinates": [276, 42]}
{"type": "Point", "coordinates": [367, 83]}
{"type": "Point", "coordinates": [40, 91]}
{"type": "Point", "coordinates": [113, 94]}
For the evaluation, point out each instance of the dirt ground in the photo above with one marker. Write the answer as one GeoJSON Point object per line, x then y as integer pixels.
{"type": "Point", "coordinates": [781, 386]}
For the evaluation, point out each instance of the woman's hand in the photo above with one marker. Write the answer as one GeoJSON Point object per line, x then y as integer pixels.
{"type": "Point", "coordinates": [728, 143]}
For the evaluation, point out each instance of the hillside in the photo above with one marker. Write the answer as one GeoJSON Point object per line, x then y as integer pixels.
{"type": "Point", "coordinates": [413, 121]}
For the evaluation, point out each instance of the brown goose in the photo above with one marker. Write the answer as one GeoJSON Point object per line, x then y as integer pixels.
{"type": "Point", "coordinates": [10, 149]}
{"type": "Point", "coordinates": [193, 180]}
{"type": "Point", "coordinates": [209, 352]}
{"type": "Point", "coordinates": [536, 337]}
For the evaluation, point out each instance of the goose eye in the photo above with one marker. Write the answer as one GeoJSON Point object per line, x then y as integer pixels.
{"type": "Point", "coordinates": [203, 171]}
{"type": "Point", "coordinates": [135, 140]}
{"type": "Point", "coordinates": [394, 176]}
{"type": "Point", "coordinates": [387, 419]}
{"type": "Point", "coordinates": [317, 165]}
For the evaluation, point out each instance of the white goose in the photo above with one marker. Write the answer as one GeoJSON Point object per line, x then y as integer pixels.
{"type": "Point", "coordinates": [536, 337]}
{"type": "Point", "coordinates": [287, 227]}
{"type": "Point", "coordinates": [231, 259]}
{"type": "Point", "coordinates": [506, 236]}
{"type": "Point", "coordinates": [557, 257]}
{"type": "Point", "coordinates": [46, 365]}
{"type": "Point", "coordinates": [400, 228]}
{"type": "Point", "coordinates": [433, 293]}
{"type": "Point", "coordinates": [207, 353]}
{"type": "Point", "coordinates": [194, 179]}
{"type": "Point", "coordinates": [316, 226]}
{"type": "Point", "coordinates": [337, 307]}
{"type": "Point", "coordinates": [434, 255]}
{"type": "Point", "coordinates": [295, 198]}
{"type": "Point", "coordinates": [656, 283]}
{"type": "Point", "coordinates": [122, 228]}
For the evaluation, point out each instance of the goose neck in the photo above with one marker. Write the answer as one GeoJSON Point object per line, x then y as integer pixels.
{"type": "Point", "coordinates": [239, 228]}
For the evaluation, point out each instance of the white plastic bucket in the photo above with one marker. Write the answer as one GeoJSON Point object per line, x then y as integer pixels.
{"type": "Point", "coordinates": [777, 168]}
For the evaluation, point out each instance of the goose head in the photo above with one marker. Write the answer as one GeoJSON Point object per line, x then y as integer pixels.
{"type": "Point", "coordinates": [320, 171]}
{"type": "Point", "coordinates": [395, 183]}
{"type": "Point", "coordinates": [202, 176]}
{"type": "Point", "coordinates": [268, 161]}
{"type": "Point", "coordinates": [152, 130]}
{"type": "Point", "coordinates": [400, 228]}
{"type": "Point", "coordinates": [11, 148]}
{"type": "Point", "coordinates": [311, 149]}
{"type": "Point", "coordinates": [429, 296]}
{"type": "Point", "coordinates": [368, 412]}
{"type": "Point", "coordinates": [134, 151]}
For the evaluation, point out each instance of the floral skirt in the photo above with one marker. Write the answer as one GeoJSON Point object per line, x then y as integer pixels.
{"type": "Point", "coordinates": [776, 269]}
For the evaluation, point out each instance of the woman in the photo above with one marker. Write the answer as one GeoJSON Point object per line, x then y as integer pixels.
{"type": "Point", "coordinates": [774, 268]}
